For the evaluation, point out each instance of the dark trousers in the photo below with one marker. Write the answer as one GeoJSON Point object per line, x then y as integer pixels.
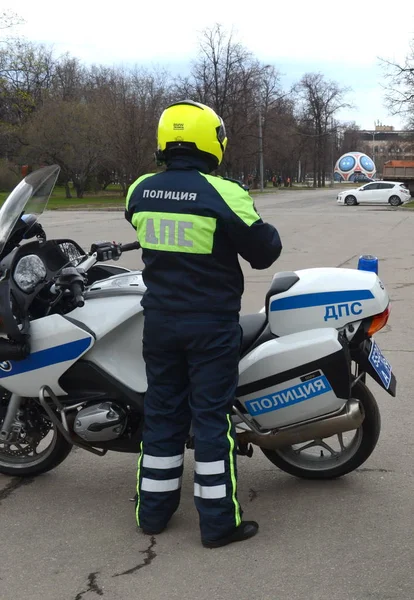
{"type": "Point", "coordinates": [192, 371]}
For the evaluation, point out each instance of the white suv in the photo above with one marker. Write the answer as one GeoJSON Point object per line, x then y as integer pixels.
{"type": "Point", "coordinates": [377, 192]}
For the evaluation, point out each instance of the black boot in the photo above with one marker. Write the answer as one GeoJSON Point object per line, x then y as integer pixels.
{"type": "Point", "coordinates": [152, 531]}
{"type": "Point", "coordinates": [244, 531]}
{"type": "Point", "coordinates": [149, 531]}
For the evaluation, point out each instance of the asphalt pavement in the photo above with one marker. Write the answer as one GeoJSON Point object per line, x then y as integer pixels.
{"type": "Point", "coordinates": [70, 534]}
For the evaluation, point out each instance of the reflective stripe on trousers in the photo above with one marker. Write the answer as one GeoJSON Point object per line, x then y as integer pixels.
{"type": "Point", "coordinates": [165, 485]}
{"type": "Point", "coordinates": [162, 465]}
{"type": "Point", "coordinates": [216, 467]}
{"type": "Point", "coordinates": [163, 462]}
{"type": "Point", "coordinates": [210, 475]}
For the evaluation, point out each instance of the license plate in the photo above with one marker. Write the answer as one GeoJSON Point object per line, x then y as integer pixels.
{"type": "Point", "coordinates": [381, 365]}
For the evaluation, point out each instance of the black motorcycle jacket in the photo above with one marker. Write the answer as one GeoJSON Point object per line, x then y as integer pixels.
{"type": "Point", "coordinates": [192, 226]}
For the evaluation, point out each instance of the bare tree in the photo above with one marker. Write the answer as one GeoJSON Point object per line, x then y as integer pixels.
{"type": "Point", "coordinates": [70, 135]}
{"type": "Point", "coordinates": [9, 19]}
{"type": "Point", "coordinates": [99, 122]}
{"type": "Point", "coordinates": [319, 99]}
{"type": "Point", "coordinates": [129, 104]}
{"type": "Point", "coordinates": [400, 89]}
{"type": "Point", "coordinates": [283, 147]}
{"type": "Point", "coordinates": [227, 77]}
{"type": "Point", "coordinates": [26, 73]}
{"type": "Point", "coordinates": [220, 60]}
{"type": "Point", "coordinates": [349, 139]}
{"type": "Point", "coordinates": [69, 79]}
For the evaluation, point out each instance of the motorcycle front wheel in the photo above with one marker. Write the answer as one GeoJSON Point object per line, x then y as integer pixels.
{"type": "Point", "coordinates": [335, 456]}
{"type": "Point", "coordinates": [37, 448]}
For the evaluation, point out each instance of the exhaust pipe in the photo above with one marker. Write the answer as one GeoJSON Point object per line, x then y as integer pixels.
{"type": "Point", "coordinates": [350, 418]}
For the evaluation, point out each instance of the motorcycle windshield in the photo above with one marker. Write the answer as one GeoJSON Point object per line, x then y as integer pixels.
{"type": "Point", "coordinates": [30, 196]}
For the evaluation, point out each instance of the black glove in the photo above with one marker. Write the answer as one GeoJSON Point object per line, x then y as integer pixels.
{"type": "Point", "coordinates": [106, 251]}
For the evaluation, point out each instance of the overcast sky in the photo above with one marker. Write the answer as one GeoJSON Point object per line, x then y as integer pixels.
{"type": "Point", "coordinates": [342, 39]}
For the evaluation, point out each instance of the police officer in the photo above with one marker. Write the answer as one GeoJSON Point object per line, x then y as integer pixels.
{"type": "Point", "coordinates": [192, 226]}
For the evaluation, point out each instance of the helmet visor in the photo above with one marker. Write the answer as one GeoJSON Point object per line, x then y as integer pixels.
{"type": "Point", "coordinates": [221, 131]}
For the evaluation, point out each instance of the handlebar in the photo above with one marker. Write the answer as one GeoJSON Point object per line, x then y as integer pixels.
{"type": "Point", "coordinates": [78, 294]}
{"type": "Point", "coordinates": [103, 251]}
{"type": "Point", "coordinates": [131, 246]}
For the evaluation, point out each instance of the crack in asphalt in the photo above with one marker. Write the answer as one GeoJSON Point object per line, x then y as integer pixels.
{"type": "Point", "coordinates": [92, 586]}
{"type": "Point", "coordinates": [14, 485]}
{"type": "Point", "coordinates": [399, 223]}
{"type": "Point", "coordinates": [150, 555]}
{"type": "Point", "coordinates": [346, 261]}
{"type": "Point", "coordinates": [403, 285]}
{"type": "Point", "coordinates": [252, 495]}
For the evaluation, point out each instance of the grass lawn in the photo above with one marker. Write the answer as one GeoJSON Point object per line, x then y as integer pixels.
{"type": "Point", "coordinates": [109, 198]}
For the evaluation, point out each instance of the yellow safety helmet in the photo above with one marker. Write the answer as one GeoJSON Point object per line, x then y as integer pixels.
{"type": "Point", "coordinates": [193, 126]}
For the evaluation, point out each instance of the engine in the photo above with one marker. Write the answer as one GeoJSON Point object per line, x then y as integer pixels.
{"type": "Point", "coordinates": [100, 422]}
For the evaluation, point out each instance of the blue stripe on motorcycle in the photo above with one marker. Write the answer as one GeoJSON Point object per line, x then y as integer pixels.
{"type": "Point", "coordinates": [45, 358]}
{"type": "Point", "coordinates": [319, 299]}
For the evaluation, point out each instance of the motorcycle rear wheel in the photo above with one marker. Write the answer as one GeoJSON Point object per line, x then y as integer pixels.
{"type": "Point", "coordinates": [302, 460]}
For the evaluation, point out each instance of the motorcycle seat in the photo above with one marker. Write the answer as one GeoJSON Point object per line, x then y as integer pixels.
{"type": "Point", "coordinates": [252, 326]}
{"type": "Point", "coordinates": [282, 282]}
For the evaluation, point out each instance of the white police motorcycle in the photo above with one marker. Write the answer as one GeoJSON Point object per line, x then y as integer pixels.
{"type": "Point", "coordinates": [72, 372]}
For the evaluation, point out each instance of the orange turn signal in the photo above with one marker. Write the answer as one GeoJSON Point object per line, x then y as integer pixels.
{"type": "Point", "coordinates": [379, 321]}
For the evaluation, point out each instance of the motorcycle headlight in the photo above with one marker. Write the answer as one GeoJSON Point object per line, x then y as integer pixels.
{"type": "Point", "coordinates": [30, 271]}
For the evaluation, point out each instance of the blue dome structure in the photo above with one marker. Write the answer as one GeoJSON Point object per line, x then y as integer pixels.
{"type": "Point", "coordinates": [354, 166]}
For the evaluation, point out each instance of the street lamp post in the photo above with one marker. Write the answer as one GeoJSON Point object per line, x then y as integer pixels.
{"type": "Point", "coordinates": [261, 168]}
{"type": "Point", "coordinates": [261, 151]}
{"type": "Point", "coordinates": [332, 153]}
